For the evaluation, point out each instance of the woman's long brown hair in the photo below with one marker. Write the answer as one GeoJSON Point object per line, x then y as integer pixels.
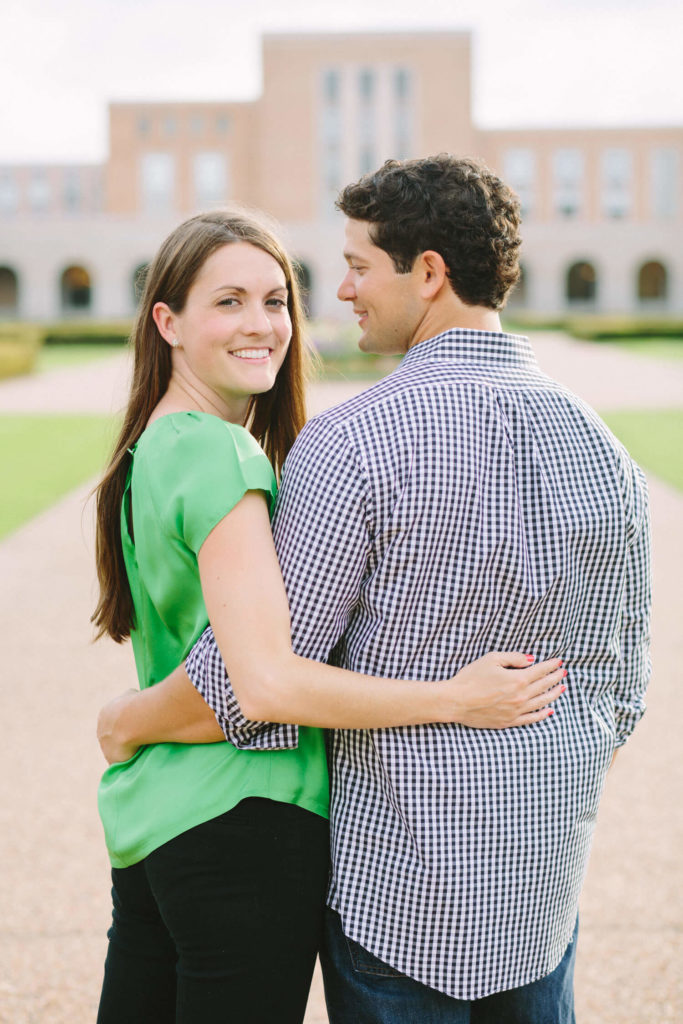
{"type": "Point", "coordinates": [274, 418]}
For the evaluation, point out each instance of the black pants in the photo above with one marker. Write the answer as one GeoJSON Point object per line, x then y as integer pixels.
{"type": "Point", "coordinates": [222, 923]}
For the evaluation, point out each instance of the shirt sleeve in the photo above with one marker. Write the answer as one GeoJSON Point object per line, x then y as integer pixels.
{"type": "Point", "coordinates": [208, 467]}
{"type": "Point", "coordinates": [635, 670]}
{"type": "Point", "coordinates": [321, 536]}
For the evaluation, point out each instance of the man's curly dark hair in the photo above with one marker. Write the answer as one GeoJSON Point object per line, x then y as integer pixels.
{"type": "Point", "coordinates": [453, 206]}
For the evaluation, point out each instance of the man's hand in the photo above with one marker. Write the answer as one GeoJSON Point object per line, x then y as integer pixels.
{"type": "Point", "coordinates": [502, 690]}
{"type": "Point", "coordinates": [114, 744]}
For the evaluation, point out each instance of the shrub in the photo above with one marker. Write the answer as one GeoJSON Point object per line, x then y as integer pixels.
{"type": "Point", "coordinates": [19, 348]}
{"type": "Point", "coordinates": [87, 332]}
{"type": "Point", "coordinates": [604, 328]}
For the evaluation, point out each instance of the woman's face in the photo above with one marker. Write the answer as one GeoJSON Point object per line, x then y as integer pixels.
{"type": "Point", "coordinates": [235, 329]}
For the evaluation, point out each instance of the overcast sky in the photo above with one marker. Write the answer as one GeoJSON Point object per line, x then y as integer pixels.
{"type": "Point", "coordinates": [536, 62]}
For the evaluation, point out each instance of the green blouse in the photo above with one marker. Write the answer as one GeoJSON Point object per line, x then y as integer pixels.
{"type": "Point", "coordinates": [187, 472]}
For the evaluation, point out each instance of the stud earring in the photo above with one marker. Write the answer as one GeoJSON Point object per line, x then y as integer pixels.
{"type": "Point", "coordinates": [174, 343]}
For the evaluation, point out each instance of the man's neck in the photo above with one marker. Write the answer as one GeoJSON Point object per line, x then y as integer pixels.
{"type": "Point", "coordinates": [452, 315]}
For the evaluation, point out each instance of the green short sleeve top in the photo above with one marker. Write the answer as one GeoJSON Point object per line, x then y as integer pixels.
{"type": "Point", "coordinates": [188, 470]}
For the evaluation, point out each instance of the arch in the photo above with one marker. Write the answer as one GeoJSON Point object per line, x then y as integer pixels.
{"type": "Point", "coordinates": [653, 282]}
{"type": "Point", "coordinates": [76, 289]}
{"type": "Point", "coordinates": [138, 278]}
{"type": "Point", "coordinates": [519, 296]}
{"type": "Point", "coordinates": [9, 291]}
{"type": "Point", "coordinates": [582, 282]}
{"type": "Point", "coordinates": [305, 279]}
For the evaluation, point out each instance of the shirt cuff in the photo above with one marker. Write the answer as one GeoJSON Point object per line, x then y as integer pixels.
{"type": "Point", "coordinates": [207, 673]}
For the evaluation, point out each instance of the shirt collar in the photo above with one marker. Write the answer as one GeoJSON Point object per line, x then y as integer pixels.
{"type": "Point", "coordinates": [459, 345]}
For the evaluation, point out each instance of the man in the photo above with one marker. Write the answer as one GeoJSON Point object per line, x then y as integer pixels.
{"type": "Point", "coordinates": [466, 503]}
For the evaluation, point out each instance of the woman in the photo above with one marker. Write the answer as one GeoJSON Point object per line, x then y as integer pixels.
{"type": "Point", "coordinates": [219, 855]}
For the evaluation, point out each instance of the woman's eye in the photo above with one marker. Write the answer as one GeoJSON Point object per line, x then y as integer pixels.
{"type": "Point", "coordinates": [279, 303]}
{"type": "Point", "coordinates": [228, 302]}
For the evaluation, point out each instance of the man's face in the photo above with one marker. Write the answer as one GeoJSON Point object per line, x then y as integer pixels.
{"type": "Point", "coordinates": [387, 304]}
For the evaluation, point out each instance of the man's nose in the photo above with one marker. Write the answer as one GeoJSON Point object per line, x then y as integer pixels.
{"type": "Point", "coordinates": [346, 291]}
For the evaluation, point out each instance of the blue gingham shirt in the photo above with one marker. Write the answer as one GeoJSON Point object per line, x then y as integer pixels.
{"type": "Point", "coordinates": [466, 503]}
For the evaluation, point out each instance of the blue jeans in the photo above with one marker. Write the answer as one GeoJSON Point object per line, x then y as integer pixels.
{"type": "Point", "coordinates": [360, 989]}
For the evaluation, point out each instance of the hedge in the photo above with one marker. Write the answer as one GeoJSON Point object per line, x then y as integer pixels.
{"type": "Point", "coordinates": [19, 348]}
{"type": "Point", "coordinates": [86, 333]}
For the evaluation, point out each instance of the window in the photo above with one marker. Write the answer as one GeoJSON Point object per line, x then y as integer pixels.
{"type": "Point", "coordinates": [72, 190]}
{"type": "Point", "coordinates": [196, 124]}
{"type": "Point", "coordinates": [170, 126]}
{"type": "Point", "coordinates": [402, 85]}
{"type": "Point", "coordinates": [366, 85]}
{"type": "Point", "coordinates": [664, 182]}
{"type": "Point", "coordinates": [158, 182]}
{"type": "Point", "coordinates": [331, 86]}
{"type": "Point", "coordinates": [210, 178]}
{"type": "Point", "coordinates": [38, 192]}
{"type": "Point", "coordinates": [222, 124]}
{"type": "Point", "coordinates": [367, 126]}
{"type": "Point", "coordinates": [144, 126]}
{"type": "Point", "coordinates": [9, 194]}
{"type": "Point", "coordinates": [617, 174]}
{"type": "Point", "coordinates": [519, 172]}
{"type": "Point", "coordinates": [403, 114]}
{"type": "Point", "coordinates": [331, 139]}
{"type": "Point", "coordinates": [567, 181]}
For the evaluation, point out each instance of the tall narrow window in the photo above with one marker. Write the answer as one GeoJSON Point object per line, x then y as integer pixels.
{"type": "Point", "coordinates": [664, 182]}
{"type": "Point", "coordinates": [38, 191]}
{"type": "Point", "coordinates": [210, 172]}
{"type": "Point", "coordinates": [367, 129]}
{"type": "Point", "coordinates": [617, 182]}
{"type": "Point", "coordinates": [403, 114]}
{"type": "Point", "coordinates": [9, 194]}
{"type": "Point", "coordinates": [72, 190]}
{"type": "Point", "coordinates": [519, 172]}
{"type": "Point", "coordinates": [568, 182]}
{"type": "Point", "coordinates": [158, 182]}
{"type": "Point", "coordinates": [331, 139]}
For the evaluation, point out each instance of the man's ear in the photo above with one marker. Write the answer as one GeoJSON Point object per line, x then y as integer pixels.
{"type": "Point", "coordinates": [432, 270]}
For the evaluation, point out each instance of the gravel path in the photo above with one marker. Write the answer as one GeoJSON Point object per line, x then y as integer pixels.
{"type": "Point", "coordinates": [54, 886]}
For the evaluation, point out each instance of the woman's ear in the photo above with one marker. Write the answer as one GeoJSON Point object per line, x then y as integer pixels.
{"type": "Point", "coordinates": [432, 269]}
{"type": "Point", "coordinates": [165, 321]}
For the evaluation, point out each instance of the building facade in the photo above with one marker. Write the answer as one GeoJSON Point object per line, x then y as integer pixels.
{"type": "Point", "coordinates": [603, 209]}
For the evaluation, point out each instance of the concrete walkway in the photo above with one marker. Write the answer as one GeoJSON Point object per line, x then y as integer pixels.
{"type": "Point", "coordinates": [54, 883]}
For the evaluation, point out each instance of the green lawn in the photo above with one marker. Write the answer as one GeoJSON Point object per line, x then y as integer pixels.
{"type": "Point", "coordinates": [655, 440]}
{"type": "Point", "coordinates": [656, 348]}
{"type": "Point", "coordinates": [53, 357]}
{"type": "Point", "coordinates": [44, 457]}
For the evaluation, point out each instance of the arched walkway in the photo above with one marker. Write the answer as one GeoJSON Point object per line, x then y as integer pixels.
{"type": "Point", "coordinates": [653, 282]}
{"type": "Point", "coordinates": [9, 292]}
{"type": "Point", "coordinates": [582, 283]}
{"type": "Point", "coordinates": [76, 290]}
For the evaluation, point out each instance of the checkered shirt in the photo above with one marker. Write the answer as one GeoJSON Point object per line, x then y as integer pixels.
{"type": "Point", "coordinates": [464, 504]}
